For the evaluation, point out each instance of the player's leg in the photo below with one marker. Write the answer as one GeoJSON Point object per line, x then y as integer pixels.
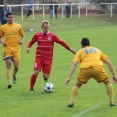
{"type": "Point", "coordinates": [15, 70]}
{"type": "Point", "coordinates": [33, 80]}
{"type": "Point", "coordinates": [16, 60]}
{"type": "Point", "coordinates": [46, 77]}
{"type": "Point", "coordinates": [37, 69]}
{"type": "Point", "coordinates": [74, 93]}
{"type": "Point", "coordinates": [8, 62]}
{"type": "Point", "coordinates": [30, 12]}
{"type": "Point", "coordinates": [7, 57]}
{"type": "Point", "coordinates": [47, 65]}
{"type": "Point", "coordinates": [102, 76]}
{"type": "Point", "coordinates": [27, 13]}
{"type": "Point", "coordinates": [83, 77]}
{"type": "Point", "coordinates": [110, 92]}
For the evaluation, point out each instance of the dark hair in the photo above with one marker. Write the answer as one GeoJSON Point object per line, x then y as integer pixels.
{"type": "Point", "coordinates": [85, 42]}
{"type": "Point", "coordinates": [9, 13]}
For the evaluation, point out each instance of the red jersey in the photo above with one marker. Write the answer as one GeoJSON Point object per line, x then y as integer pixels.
{"type": "Point", "coordinates": [45, 44]}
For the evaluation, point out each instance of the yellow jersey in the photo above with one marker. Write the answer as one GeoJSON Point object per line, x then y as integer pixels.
{"type": "Point", "coordinates": [90, 57]}
{"type": "Point", "coordinates": [11, 34]}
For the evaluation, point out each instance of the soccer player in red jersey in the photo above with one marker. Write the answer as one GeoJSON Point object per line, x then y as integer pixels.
{"type": "Point", "coordinates": [44, 53]}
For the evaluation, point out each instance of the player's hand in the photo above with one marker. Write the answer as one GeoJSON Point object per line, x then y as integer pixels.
{"type": "Point", "coordinates": [73, 51]}
{"type": "Point", "coordinates": [67, 81]}
{"type": "Point", "coordinates": [21, 42]}
{"type": "Point", "coordinates": [28, 50]}
{"type": "Point", "coordinates": [4, 44]}
{"type": "Point", "coordinates": [115, 79]}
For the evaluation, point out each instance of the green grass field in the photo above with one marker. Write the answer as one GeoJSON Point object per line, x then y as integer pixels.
{"type": "Point", "coordinates": [92, 100]}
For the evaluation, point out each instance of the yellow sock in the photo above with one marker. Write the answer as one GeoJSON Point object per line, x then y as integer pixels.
{"type": "Point", "coordinates": [110, 92]}
{"type": "Point", "coordinates": [74, 93]}
{"type": "Point", "coordinates": [8, 75]}
{"type": "Point", "coordinates": [14, 71]}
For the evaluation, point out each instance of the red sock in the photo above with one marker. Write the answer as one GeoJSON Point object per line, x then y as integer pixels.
{"type": "Point", "coordinates": [32, 81]}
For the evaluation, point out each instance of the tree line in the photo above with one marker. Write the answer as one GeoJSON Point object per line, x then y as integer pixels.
{"type": "Point", "coordinates": [59, 1]}
{"type": "Point", "coordinates": [93, 2]}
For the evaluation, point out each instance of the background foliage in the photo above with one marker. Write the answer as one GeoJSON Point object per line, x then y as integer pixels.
{"type": "Point", "coordinates": [59, 1]}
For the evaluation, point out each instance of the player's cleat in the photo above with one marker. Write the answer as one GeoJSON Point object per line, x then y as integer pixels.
{"type": "Point", "coordinates": [71, 104]}
{"type": "Point", "coordinates": [112, 104]}
{"type": "Point", "coordinates": [45, 80]}
{"type": "Point", "coordinates": [9, 86]}
{"type": "Point", "coordinates": [31, 91]}
{"type": "Point", "coordinates": [14, 79]}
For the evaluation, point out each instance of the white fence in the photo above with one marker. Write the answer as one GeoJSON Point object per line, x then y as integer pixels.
{"type": "Point", "coordinates": [43, 8]}
{"type": "Point", "coordinates": [79, 5]}
{"type": "Point", "coordinates": [111, 4]}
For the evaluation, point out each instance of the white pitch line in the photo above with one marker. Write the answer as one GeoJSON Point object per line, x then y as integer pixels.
{"type": "Point", "coordinates": [89, 109]}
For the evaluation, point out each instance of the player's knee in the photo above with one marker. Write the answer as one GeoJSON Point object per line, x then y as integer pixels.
{"type": "Point", "coordinates": [78, 84]}
{"type": "Point", "coordinates": [106, 81]}
{"type": "Point", "coordinates": [45, 76]}
{"type": "Point", "coordinates": [16, 67]}
{"type": "Point", "coordinates": [36, 72]}
{"type": "Point", "coordinates": [8, 65]}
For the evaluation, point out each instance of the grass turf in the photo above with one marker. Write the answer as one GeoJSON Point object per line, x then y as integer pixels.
{"type": "Point", "coordinates": [18, 102]}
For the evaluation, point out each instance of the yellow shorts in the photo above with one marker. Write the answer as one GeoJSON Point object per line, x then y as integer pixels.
{"type": "Point", "coordinates": [15, 55]}
{"type": "Point", "coordinates": [86, 73]}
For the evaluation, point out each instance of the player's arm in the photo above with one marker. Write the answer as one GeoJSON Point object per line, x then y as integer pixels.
{"type": "Point", "coordinates": [72, 69]}
{"type": "Point", "coordinates": [21, 33]}
{"type": "Point", "coordinates": [56, 39]}
{"type": "Point", "coordinates": [22, 40]}
{"type": "Point", "coordinates": [2, 42]}
{"type": "Point", "coordinates": [110, 66]}
{"type": "Point", "coordinates": [1, 35]}
{"type": "Point", "coordinates": [30, 44]}
{"type": "Point", "coordinates": [105, 59]}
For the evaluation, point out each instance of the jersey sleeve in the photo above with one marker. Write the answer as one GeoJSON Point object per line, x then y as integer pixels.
{"type": "Point", "coordinates": [103, 57]}
{"type": "Point", "coordinates": [21, 31]}
{"type": "Point", "coordinates": [61, 42]}
{"type": "Point", "coordinates": [1, 32]}
{"type": "Point", "coordinates": [32, 42]}
{"type": "Point", "coordinates": [77, 57]}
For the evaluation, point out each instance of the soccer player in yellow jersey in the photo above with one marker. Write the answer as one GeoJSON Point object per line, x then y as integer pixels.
{"type": "Point", "coordinates": [13, 35]}
{"type": "Point", "coordinates": [91, 67]}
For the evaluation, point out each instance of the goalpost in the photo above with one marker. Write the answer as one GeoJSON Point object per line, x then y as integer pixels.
{"type": "Point", "coordinates": [111, 7]}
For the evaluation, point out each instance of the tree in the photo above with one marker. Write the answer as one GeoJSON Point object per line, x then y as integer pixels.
{"type": "Point", "coordinates": [102, 1]}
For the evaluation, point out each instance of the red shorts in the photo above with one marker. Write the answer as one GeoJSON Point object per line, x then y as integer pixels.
{"type": "Point", "coordinates": [43, 64]}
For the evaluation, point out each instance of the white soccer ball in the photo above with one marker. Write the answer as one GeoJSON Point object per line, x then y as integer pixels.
{"type": "Point", "coordinates": [31, 30]}
{"type": "Point", "coordinates": [48, 87]}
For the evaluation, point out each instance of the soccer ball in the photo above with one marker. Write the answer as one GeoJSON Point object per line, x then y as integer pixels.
{"type": "Point", "coordinates": [31, 30]}
{"type": "Point", "coordinates": [48, 87]}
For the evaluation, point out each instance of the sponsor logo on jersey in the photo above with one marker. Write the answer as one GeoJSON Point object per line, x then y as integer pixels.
{"type": "Point", "coordinates": [16, 28]}
{"type": "Point", "coordinates": [49, 38]}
